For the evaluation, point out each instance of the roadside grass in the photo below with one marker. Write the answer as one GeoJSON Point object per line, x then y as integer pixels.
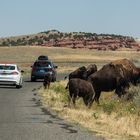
{"type": "Point", "coordinates": [114, 118]}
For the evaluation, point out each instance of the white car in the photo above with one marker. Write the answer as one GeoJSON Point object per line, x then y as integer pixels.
{"type": "Point", "coordinates": [10, 74]}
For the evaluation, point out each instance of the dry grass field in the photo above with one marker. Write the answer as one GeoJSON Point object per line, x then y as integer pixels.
{"type": "Point", "coordinates": [67, 59]}
{"type": "Point", "coordinates": [115, 119]}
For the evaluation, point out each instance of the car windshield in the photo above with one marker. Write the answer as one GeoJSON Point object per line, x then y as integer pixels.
{"type": "Point", "coordinates": [7, 67]}
{"type": "Point", "coordinates": [42, 64]}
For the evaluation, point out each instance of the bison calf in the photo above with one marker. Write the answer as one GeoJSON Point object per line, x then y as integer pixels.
{"type": "Point", "coordinates": [81, 88]}
{"type": "Point", "coordinates": [47, 80]}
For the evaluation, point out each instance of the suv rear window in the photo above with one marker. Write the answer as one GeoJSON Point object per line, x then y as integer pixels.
{"type": "Point", "coordinates": [42, 64]}
{"type": "Point", "coordinates": [4, 67]}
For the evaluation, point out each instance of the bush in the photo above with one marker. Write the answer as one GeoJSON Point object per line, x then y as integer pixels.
{"type": "Point", "coordinates": [137, 98]}
{"type": "Point", "coordinates": [59, 88]}
{"type": "Point", "coordinates": [133, 94]}
{"type": "Point", "coordinates": [108, 107]}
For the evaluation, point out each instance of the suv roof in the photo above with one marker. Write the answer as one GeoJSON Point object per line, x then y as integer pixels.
{"type": "Point", "coordinates": [43, 61]}
{"type": "Point", "coordinates": [43, 57]}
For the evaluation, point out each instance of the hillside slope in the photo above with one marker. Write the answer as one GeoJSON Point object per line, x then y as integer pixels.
{"type": "Point", "coordinates": [54, 38]}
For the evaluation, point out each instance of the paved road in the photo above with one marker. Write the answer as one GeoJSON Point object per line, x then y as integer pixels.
{"type": "Point", "coordinates": [22, 117]}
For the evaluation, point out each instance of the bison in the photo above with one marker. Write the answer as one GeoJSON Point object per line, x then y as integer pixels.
{"type": "Point", "coordinates": [81, 88]}
{"type": "Point", "coordinates": [91, 69]}
{"type": "Point", "coordinates": [78, 73]}
{"type": "Point", "coordinates": [83, 72]}
{"type": "Point", "coordinates": [132, 72]}
{"type": "Point", "coordinates": [47, 80]}
{"type": "Point", "coordinates": [110, 77]}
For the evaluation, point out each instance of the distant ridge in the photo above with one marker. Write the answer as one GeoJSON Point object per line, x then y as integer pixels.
{"type": "Point", "coordinates": [55, 38]}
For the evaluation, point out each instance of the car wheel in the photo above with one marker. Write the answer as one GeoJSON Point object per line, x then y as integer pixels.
{"type": "Point", "coordinates": [33, 79]}
{"type": "Point", "coordinates": [18, 86]}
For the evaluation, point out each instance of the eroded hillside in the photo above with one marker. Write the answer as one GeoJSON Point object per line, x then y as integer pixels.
{"type": "Point", "coordinates": [55, 38]}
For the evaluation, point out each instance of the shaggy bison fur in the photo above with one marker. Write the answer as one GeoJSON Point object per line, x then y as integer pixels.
{"type": "Point", "coordinates": [81, 88]}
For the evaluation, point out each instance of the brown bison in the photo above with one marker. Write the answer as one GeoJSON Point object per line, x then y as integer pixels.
{"type": "Point", "coordinates": [91, 69]}
{"type": "Point", "coordinates": [47, 80]}
{"type": "Point", "coordinates": [78, 73]}
{"type": "Point", "coordinates": [110, 77]}
{"type": "Point", "coordinates": [132, 72]}
{"type": "Point", "coordinates": [81, 88]}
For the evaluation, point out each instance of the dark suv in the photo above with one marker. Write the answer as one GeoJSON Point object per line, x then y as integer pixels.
{"type": "Point", "coordinates": [42, 67]}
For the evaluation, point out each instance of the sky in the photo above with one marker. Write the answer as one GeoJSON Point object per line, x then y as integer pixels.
{"type": "Point", "coordinates": [22, 17]}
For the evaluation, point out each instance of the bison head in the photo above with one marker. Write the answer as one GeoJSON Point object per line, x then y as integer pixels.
{"type": "Point", "coordinates": [79, 73]}
{"type": "Point", "coordinates": [91, 69]}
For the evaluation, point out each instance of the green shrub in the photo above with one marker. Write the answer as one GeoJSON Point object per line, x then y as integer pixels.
{"type": "Point", "coordinates": [131, 108]}
{"type": "Point", "coordinates": [59, 88]}
{"type": "Point", "coordinates": [137, 98]}
{"type": "Point", "coordinates": [95, 115]}
{"type": "Point", "coordinates": [108, 107]}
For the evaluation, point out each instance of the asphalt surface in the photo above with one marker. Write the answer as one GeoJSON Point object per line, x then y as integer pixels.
{"type": "Point", "coordinates": [22, 117]}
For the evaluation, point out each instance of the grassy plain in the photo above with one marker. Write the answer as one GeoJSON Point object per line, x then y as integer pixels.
{"type": "Point", "coordinates": [115, 119]}
{"type": "Point", "coordinates": [67, 59]}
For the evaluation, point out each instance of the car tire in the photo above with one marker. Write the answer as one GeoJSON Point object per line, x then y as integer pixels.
{"type": "Point", "coordinates": [18, 86]}
{"type": "Point", "coordinates": [33, 79]}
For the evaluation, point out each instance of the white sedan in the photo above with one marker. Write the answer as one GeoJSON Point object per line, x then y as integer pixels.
{"type": "Point", "coordinates": [10, 74]}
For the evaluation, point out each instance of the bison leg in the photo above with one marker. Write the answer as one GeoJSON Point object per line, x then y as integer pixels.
{"type": "Point", "coordinates": [48, 85]}
{"type": "Point", "coordinates": [91, 101]}
{"type": "Point", "coordinates": [85, 99]}
{"type": "Point", "coordinates": [44, 84]}
{"type": "Point", "coordinates": [97, 96]}
{"type": "Point", "coordinates": [71, 99]}
{"type": "Point", "coordinates": [120, 91]}
{"type": "Point", "coordinates": [88, 100]}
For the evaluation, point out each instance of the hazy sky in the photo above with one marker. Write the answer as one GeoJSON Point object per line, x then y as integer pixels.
{"type": "Point", "coordinates": [19, 17]}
